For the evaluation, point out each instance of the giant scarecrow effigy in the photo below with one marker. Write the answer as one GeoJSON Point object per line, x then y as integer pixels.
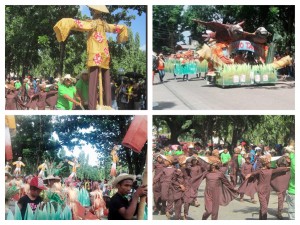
{"type": "Point", "coordinates": [98, 58]}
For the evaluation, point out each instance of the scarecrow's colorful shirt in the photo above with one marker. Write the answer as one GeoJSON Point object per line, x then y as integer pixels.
{"type": "Point", "coordinates": [97, 43]}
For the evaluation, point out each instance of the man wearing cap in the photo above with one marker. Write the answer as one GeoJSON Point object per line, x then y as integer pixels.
{"type": "Point", "coordinates": [66, 94]}
{"type": "Point", "coordinates": [82, 87]}
{"type": "Point", "coordinates": [33, 197]}
{"type": "Point", "coordinates": [120, 207]}
{"type": "Point", "coordinates": [97, 48]}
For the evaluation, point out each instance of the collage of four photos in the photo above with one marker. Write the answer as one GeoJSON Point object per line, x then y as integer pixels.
{"type": "Point", "coordinates": [159, 143]}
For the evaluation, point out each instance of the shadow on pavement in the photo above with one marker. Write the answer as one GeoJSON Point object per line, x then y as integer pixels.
{"type": "Point", "coordinates": [164, 105]}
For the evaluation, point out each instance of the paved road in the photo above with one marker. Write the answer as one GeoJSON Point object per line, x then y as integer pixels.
{"type": "Point", "coordinates": [196, 94]}
{"type": "Point", "coordinates": [235, 210]}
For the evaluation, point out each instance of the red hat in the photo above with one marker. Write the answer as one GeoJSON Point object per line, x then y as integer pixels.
{"type": "Point", "coordinates": [38, 183]}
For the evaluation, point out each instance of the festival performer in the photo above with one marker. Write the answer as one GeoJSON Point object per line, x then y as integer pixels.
{"type": "Point", "coordinates": [52, 98]}
{"type": "Point", "coordinates": [280, 182]}
{"type": "Point", "coordinates": [97, 201]}
{"type": "Point", "coordinates": [115, 160]}
{"type": "Point", "coordinates": [41, 96]}
{"type": "Point", "coordinates": [247, 168]}
{"type": "Point", "coordinates": [7, 168]}
{"type": "Point", "coordinates": [195, 171]}
{"type": "Point", "coordinates": [67, 94]}
{"type": "Point", "coordinates": [31, 104]}
{"type": "Point", "coordinates": [82, 87]}
{"type": "Point", "coordinates": [33, 199]}
{"type": "Point", "coordinates": [234, 165]}
{"type": "Point", "coordinates": [11, 97]}
{"type": "Point", "coordinates": [172, 188]}
{"type": "Point", "coordinates": [97, 49]}
{"type": "Point", "coordinates": [74, 165]}
{"type": "Point", "coordinates": [72, 197]}
{"type": "Point", "coordinates": [189, 193]}
{"type": "Point", "coordinates": [18, 165]}
{"type": "Point", "coordinates": [26, 186]}
{"type": "Point", "coordinates": [158, 167]}
{"type": "Point", "coordinates": [42, 169]}
{"type": "Point", "coordinates": [264, 176]}
{"type": "Point", "coordinates": [218, 190]}
{"type": "Point", "coordinates": [120, 208]}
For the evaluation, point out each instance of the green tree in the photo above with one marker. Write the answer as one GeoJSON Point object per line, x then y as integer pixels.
{"type": "Point", "coordinates": [166, 27]}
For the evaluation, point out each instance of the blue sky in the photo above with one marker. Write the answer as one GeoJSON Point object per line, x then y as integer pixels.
{"type": "Point", "coordinates": [137, 26]}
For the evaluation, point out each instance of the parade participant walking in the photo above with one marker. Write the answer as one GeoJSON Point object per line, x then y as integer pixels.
{"type": "Point", "coordinates": [33, 198]}
{"type": "Point", "coordinates": [97, 202]}
{"type": "Point", "coordinates": [98, 58]}
{"type": "Point", "coordinates": [264, 176]}
{"type": "Point", "coordinates": [218, 191]}
{"type": "Point", "coordinates": [11, 97]}
{"type": "Point", "coordinates": [158, 167]}
{"type": "Point", "coordinates": [245, 170]}
{"type": "Point", "coordinates": [290, 195]}
{"type": "Point", "coordinates": [120, 207]}
{"type": "Point", "coordinates": [234, 166]}
{"type": "Point", "coordinates": [280, 182]}
{"type": "Point", "coordinates": [66, 94]}
{"type": "Point", "coordinates": [195, 172]}
{"type": "Point", "coordinates": [225, 160]}
{"type": "Point", "coordinates": [161, 67]}
{"type": "Point", "coordinates": [82, 88]}
{"type": "Point", "coordinates": [172, 188]}
{"type": "Point", "coordinates": [41, 96]}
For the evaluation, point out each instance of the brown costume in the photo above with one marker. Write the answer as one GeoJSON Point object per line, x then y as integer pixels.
{"type": "Point", "coordinates": [264, 188]}
{"type": "Point", "coordinates": [218, 191]}
{"type": "Point", "coordinates": [280, 183]}
{"type": "Point", "coordinates": [11, 97]}
{"type": "Point", "coordinates": [158, 169]}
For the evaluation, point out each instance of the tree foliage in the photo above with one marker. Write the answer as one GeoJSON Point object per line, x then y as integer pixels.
{"type": "Point", "coordinates": [35, 142]}
{"type": "Point", "coordinates": [231, 129]}
{"type": "Point", "coordinates": [32, 48]}
{"type": "Point", "coordinates": [278, 20]}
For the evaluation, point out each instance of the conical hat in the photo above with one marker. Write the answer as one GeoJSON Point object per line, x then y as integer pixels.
{"type": "Point", "coordinates": [99, 8]}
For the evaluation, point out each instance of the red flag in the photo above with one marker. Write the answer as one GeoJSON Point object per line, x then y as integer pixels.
{"type": "Point", "coordinates": [136, 135]}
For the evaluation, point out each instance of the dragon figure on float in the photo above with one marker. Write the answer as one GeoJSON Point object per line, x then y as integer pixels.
{"type": "Point", "coordinates": [237, 57]}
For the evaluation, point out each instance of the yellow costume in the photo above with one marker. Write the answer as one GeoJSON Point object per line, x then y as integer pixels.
{"type": "Point", "coordinates": [97, 45]}
{"type": "Point", "coordinates": [115, 159]}
{"type": "Point", "coordinates": [18, 165]}
{"type": "Point", "coordinates": [7, 168]}
{"type": "Point", "coordinates": [42, 169]}
{"type": "Point", "coordinates": [74, 165]}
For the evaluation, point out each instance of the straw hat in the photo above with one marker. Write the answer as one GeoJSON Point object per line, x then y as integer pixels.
{"type": "Point", "coordinates": [121, 177]}
{"type": "Point", "coordinates": [168, 158]}
{"type": "Point", "coordinates": [99, 8]}
{"type": "Point", "coordinates": [67, 76]}
{"type": "Point", "coordinates": [265, 159]}
{"type": "Point", "coordinates": [51, 177]}
{"type": "Point", "coordinates": [289, 149]}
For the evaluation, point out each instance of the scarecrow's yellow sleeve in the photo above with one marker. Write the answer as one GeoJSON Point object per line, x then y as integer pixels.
{"type": "Point", "coordinates": [63, 27]}
{"type": "Point", "coordinates": [121, 30]}
{"type": "Point", "coordinates": [97, 44]}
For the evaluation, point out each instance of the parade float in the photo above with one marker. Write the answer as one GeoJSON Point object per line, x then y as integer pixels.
{"type": "Point", "coordinates": [230, 57]}
{"type": "Point", "coordinates": [236, 57]}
